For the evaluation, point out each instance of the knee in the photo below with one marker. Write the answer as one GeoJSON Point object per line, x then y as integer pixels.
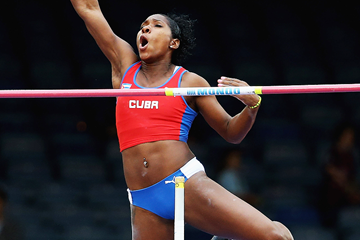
{"type": "Point", "coordinates": [280, 232]}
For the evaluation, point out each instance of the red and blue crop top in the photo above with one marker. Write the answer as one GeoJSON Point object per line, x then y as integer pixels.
{"type": "Point", "coordinates": [141, 119]}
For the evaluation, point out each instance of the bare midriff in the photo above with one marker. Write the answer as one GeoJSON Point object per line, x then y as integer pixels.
{"type": "Point", "coordinates": [148, 163]}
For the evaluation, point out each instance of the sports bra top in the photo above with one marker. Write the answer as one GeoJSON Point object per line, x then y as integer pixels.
{"type": "Point", "coordinates": [141, 119]}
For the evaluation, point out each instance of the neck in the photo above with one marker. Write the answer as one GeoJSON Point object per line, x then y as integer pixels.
{"type": "Point", "coordinates": [155, 72]}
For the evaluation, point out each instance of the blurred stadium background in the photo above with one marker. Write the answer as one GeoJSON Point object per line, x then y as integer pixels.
{"type": "Point", "coordinates": [59, 158]}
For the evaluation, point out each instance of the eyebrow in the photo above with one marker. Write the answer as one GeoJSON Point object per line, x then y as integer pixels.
{"type": "Point", "coordinates": [156, 20]}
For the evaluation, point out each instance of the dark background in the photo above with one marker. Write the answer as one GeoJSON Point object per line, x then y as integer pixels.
{"type": "Point", "coordinates": [59, 158]}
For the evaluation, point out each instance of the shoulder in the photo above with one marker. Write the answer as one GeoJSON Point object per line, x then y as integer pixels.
{"type": "Point", "coordinates": [191, 79]}
{"type": "Point", "coordinates": [118, 76]}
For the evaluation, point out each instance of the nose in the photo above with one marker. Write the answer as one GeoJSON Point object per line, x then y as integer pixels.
{"type": "Point", "coordinates": [146, 29]}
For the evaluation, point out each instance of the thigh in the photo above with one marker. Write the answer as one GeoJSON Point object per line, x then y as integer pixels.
{"type": "Point", "coordinates": [149, 226]}
{"type": "Point", "coordinates": [212, 209]}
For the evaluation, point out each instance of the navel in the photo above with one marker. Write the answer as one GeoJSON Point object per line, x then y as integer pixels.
{"type": "Point", "coordinates": [146, 164]}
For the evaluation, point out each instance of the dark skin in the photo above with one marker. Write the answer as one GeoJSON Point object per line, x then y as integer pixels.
{"type": "Point", "coordinates": [208, 206]}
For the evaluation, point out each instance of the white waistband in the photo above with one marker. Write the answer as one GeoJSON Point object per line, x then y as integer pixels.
{"type": "Point", "coordinates": [191, 167]}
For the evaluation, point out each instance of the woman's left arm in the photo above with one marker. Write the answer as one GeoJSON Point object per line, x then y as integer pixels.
{"type": "Point", "coordinates": [240, 124]}
{"type": "Point", "coordinates": [232, 128]}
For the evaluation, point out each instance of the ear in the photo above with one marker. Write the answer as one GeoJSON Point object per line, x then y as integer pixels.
{"type": "Point", "coordinates": [175, 43]}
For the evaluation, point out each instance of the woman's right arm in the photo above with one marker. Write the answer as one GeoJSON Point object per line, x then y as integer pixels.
{"type": "Point", "coordinates": [119, 52]}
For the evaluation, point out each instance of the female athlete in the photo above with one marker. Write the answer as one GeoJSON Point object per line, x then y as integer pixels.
{"type": "Point", "coordinates": [153, 132]}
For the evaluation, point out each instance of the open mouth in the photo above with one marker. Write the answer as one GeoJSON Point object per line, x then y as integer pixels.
{"type": "Point", "coordinates": [143, 41]}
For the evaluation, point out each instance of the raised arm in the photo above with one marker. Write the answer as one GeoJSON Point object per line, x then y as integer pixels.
{"type": "Point", "coordinates": [119, 52]}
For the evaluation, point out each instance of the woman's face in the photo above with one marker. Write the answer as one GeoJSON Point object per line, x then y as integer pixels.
{"type": "Point", "coordinates": [154, 40]}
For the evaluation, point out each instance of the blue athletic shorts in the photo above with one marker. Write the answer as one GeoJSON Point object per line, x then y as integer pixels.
{"type": "Point", "coordinates": [160, 197]}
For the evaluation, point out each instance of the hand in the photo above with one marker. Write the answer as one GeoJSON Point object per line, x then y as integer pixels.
{"type": "Point", "coordinates": [249, 100]}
